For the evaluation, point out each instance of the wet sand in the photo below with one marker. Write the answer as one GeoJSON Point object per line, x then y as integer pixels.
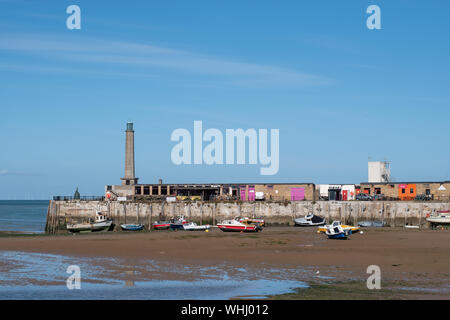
{"type": "Point", "coordinates": [418, 259]}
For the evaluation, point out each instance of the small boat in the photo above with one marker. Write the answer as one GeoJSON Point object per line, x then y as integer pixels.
{"type": "Point", "coordinates": [258, 221]}
{"type": "Point", "coordinates": [161, 225]}
{"type": "Point", "coordinates": [192, 226]}
{"type": "Point", "coordinates": [354, 229]}
{"type": "Point", "coordinates": [132, 227]}
{"type": "Point", "coordinates": [236, 226]}
{"type": "Point", "coordinates": [310, 220]}
{"type": "Point", "coordinates": [335, 231]}
{"type": "Point", "coordinates": [411, 227]}
{"type": "Point", "coordinates": [368, 224]}
{"type": "Point", "coordinates": [178, 223]}
{"type": "Point", "coordinates": [442, 217]}
{"type": "Point", "coordinates": [101, 222]}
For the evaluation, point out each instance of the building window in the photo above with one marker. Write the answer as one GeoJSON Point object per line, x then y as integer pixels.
{"type": "Point", "coordinates": [403, 191]}
{"type": "Point", "coordinates": [411, 190]}
{"type": "Point", "coordinates": [127, 182]}
{"type": "Point", "coordinates": [137, 190]}
{"type": "Point", "coordinates": [427, 192]}
{"type": "Point", "coordinates": [108, 188]}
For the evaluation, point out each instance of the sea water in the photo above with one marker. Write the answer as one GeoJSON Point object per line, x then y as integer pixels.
{"type": "Point", "coordinates": [23, 215]}
{"type": "Point", "coordinates": [43, 276]}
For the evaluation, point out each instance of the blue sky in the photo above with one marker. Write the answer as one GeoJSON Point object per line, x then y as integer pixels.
{"type": "Point", "coordinates": [338, 92]}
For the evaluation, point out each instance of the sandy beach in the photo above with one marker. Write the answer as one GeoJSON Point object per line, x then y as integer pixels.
{"type": "Point", "coordinates": [417, 259]}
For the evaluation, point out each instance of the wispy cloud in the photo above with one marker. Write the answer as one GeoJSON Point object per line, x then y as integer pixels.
{"type": "Point", "coordinates": [148, 58]}
{"type": "Point", "coordinates": [3, 172]}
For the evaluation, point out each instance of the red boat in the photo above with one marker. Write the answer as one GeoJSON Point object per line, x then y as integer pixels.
{"type": "Point", "coordinates": [161, 225]}
{"type": "Point", "coordinates": [236, 226]}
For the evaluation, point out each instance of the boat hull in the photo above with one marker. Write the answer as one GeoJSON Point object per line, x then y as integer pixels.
{"type": "Point", "coordinates": [372, 224]}
{"type": "Point", "coordinates": [439, 220]}
{"type": "Point", "coordinates": [177, 226]}
{"type": "Point", "coordinates": [194, 227]}
{"type": "Point", "coordinates": [303, 224]}
{"type": "Point", "coordinates": [309, 220]}
{"type": "Point", "coordinates": [93, 227]}
{"type": "Point", "coordinates": [226, 228]}
{"type": "Point", "coordinates": [161, 226]}
{"type": "Point", "coordinates": [338, 236]}
{"type": "Point", "coordinates": [199, 228]}
{"type": "Point", "coordinates": [132, 227]}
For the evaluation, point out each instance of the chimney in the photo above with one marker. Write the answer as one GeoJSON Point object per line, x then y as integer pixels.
{"type": "Point", "coordinates": [129, 178]}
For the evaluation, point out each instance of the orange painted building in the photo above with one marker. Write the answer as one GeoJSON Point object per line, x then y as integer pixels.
{"type": "Point", "coordinates": [407, 191]}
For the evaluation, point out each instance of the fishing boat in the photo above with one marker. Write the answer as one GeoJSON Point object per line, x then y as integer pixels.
{"type": "Point", "coordinates": [354, 229]}
{"type": "Point", "coordinates": [236, 226]}
{"type": "Point", "coordinates": [100, 222]}
{"type": "Point", "coordinates": [335, 231]}
{"type": "Point", "coordinates": [161, 225]}
{"type": "Point", "coordinates": [132, 227]}
{"type": "Point", "coordinates": [442, 217]}
{"type": "Point", "coordinates": [310, 220]}
{"type": "Point", "coordinates": [192, 226]}
{"type": "Point", "coordinates": [368, 224]}
{"type": "Point", "coordinates": [178, 223]}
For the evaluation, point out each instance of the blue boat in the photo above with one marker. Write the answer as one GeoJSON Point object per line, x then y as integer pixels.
{"type": "Point", "coordinates": [178, 224]}
{"type": "Point", "coordinates": [132, 227]}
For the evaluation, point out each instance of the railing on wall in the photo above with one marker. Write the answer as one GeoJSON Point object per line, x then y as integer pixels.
{"type": "Point", "coordinates": [82, 198]}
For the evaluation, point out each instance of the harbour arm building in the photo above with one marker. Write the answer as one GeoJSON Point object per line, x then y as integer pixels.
{"type": "Point", "coordinates": [379, 184]}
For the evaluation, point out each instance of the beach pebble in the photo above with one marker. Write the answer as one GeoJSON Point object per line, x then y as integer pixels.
{"type": "Point", "coordinates": [361, 232]}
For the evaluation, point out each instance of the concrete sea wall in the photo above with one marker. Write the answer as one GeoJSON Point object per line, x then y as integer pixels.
{"type": "Point", "coordinates": [395, 214]}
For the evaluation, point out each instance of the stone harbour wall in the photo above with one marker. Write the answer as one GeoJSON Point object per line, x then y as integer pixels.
{"type": "Point", "coordinates": [394, 214]}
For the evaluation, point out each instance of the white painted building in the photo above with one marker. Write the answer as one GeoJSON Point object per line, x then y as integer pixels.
{"type": "Point", "coordinates": [341, 191]}
{"type": "Point", "coordinates": [379, 171]}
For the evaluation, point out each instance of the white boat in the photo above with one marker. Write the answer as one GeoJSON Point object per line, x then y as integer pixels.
{"type": "Point", "coordinates": [335, 231]}
{"type": "Point", "coordinates": [368, 224]}
{"type": "Point", "coordinates": [353, 229]}
{"type": "Point", "coordinates": [236, 226]}
{"type": "Point", "coordinates": [192, 226]}
{"type": "Point", "coordinates": [442, 217]}
{"type": "Point", "coordinates": [310, 220]}
{"type": "Point", "coordinates": [101, 222]}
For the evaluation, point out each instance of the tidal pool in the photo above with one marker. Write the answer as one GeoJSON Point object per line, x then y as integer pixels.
{"type": "Point", "coordinates": [43, 276]}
